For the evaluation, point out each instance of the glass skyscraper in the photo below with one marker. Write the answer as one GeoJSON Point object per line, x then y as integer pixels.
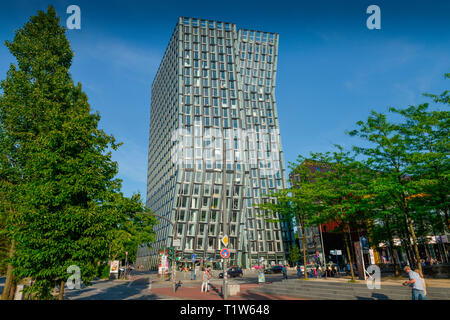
{"type": "Point", "coordinates": [213, 99]}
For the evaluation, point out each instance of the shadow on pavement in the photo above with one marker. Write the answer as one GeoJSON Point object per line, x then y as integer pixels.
{"type": "Point", "coordinates": [135, 290]}
{"type": "Point", "coordinates": [255, 296]}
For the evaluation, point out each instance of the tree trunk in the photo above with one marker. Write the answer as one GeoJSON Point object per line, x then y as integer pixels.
{"type": "Point", "coordinates": [9, 275]}
{"type": "Point", "coordinates": [447, 219]}
{"type": "Point", "coordinates": [410, 228]}
{"type": "Point", "coordinates": [304, 250]}
{"type": "Point", "coordinates": [347, 247]}
{"type": "Point", "coordinates": [391, 245]}
{"type": "Point", "coordinates": [12, 291]}
{"type": "Point", "coordinates": [61, 290]}
{"type": "Point", "coordinates": [408, 253]}
{"type": "Point", "coordinates": [394, 258]}
{"type": "Point", "coordinates": [414, 239]}
{"type": "Point", "coordinates": [407, 244]}
{"type": "Point", "coordinates": [444, 249]}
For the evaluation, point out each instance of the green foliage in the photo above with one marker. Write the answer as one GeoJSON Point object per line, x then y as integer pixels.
{"type": "Point", "coordinates": [57, 176]}
{"type": "Point", "coordinates": [331, 184]}
{"type": "Point", "coordinates": [294, 254]}
{"type": "Point", "coordinates": [399, 188]}
{"type": "Point", "coordinates": [103, 271]}
{"type": "Point", "coordinates": [132, 230]}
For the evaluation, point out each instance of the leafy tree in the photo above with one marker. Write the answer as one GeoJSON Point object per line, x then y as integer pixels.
{"type": "Point", "coordinates": [132, 230]}
{"type": "Point", "coordinates": [426, 133]}
{"type": "Point", "coordinates": [59, 163]}
{"type": "Point", "coordinates": [410, 168]}
{"type": "Point", "coordinates": [286, 206]}
{"type": "Point", "coordinates": [294, 254]}
{"type": "Point", "coordinates": [388, 154]}
{"type": "Point", "coordinates": [305, 202]}
{"type": "Point", "coordinates": [338, 185]}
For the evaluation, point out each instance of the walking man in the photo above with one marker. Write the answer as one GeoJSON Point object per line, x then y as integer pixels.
{"type": "Point", "coordinates": [283, 268]}
{"type": "Point", "coordinates": [416, 283]}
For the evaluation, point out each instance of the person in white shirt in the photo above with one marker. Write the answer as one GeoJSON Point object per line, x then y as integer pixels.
{"type": "Point", "coordinates": [205, 281]}
{"type": "Point", "coordinates": [417, 283]}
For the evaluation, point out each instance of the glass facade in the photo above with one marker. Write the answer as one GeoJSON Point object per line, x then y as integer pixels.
{"type": "Point", "coordinates": [214, 134]}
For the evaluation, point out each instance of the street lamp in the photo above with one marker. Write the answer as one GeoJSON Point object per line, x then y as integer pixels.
{"type": "Point", "coordinates": [224, 218]}
{"type": "Point", "coordinates": [173, 223]}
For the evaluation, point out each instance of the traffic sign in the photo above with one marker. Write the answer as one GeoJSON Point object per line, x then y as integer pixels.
{"type": "Point", "coordinates": [193, 257]}
{"type": "Point", "coordinates": [261, 277]}
{"type": "Point", "coordinates": [178, 255]}
{"type": "Point", "coordinates": [225, 240]}
{"type": "Point", "coordinates": [176, 242]}
{"type": "Point", "coordinates": [225, 253]}
{"type": "Point", "coordinates": [338, 252]}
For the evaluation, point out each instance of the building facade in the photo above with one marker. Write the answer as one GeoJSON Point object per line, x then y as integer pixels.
{"type": "Point", "coordinates": [214, 134]}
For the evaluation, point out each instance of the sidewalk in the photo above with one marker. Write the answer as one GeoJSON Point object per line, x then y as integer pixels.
{"type": "Point", "coordinates": [192, 292]}
{"type": "Point", "coordinates": [441, 283]}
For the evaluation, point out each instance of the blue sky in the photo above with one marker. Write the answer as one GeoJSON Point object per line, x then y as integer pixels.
{"type": "Point", "coordinates": [332, 70]}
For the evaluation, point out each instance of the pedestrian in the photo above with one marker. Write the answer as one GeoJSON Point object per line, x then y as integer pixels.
{"type": "Point", "coordinates": [417, 283]}
{"type": "Point", "coordinates": [195, 273]}
{"type": "Point", "coordinates": [284, 272]}
{"type": "Point", "coordinates": [333, 271]}
{"type": "Point", "coordinates": [209, 278]}
{"type": "Point", "coordinates": [299, 274]}
{"type": "Point", "coordinates": [423, 281]}
{"type": "Point", "coordinates": [204, 286]}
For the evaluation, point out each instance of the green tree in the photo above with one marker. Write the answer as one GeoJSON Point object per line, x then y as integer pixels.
{"type": "Point", "coordinates": [58, 161]}
{"type": "Point", "coordinates": [388, 154]}
{"type": "Point", "coordinates": [284, 206]}
{"type": "Point", "coordinates": [294, 254]}
{"type": "Point", "coordinates": [426, 133]}
{"type": "Point", "coordinates": [337, 183]}
{"type": "Point", "coordinates": [131, 231]}
{"type": "Point", "coordinates": [305, 203]}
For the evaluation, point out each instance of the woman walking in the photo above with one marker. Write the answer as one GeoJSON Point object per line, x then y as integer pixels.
{"type": "Point", "coordinates": [209, 278]}
{"type": "Point", "coordinates": [205, 281]}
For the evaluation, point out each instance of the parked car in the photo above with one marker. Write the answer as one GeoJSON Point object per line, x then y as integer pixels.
{"type": "Point", "coordinates": [233, 272]}
{"type": "Point", "coordinates": [274, 269]}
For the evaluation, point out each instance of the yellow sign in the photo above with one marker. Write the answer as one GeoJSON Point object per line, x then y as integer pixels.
{"type": "Point", "coordinates": [225, 240]}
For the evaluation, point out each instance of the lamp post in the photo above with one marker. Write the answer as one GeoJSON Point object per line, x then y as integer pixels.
{"type": "Point", "coordinates": [173, 240]}
{"type": "Point", "coordinates": [224, 218]}
{"type": "Point", "coordinates": [323, 247]}
{"type": "Point", "coordinates": [224, 204]}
